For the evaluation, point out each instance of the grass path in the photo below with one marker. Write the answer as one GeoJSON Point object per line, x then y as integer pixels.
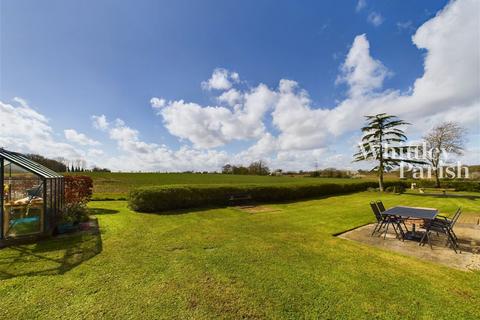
{"type": "Point", "coordinates": [226, 263]}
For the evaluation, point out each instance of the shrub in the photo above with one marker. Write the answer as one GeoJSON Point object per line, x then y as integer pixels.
{"type": "Point", "coordinates": [78, 192]}
{"type": "Point", "coordinates": [458, 185]}
{"type": "Point", "coordinates": [75, 212]}
{"type": "Point", "coordinates": [162, 198]}
{"type": "Point", "coordinates": [395, 188]}
{"type": "Point", "coordinates": [78, 189]}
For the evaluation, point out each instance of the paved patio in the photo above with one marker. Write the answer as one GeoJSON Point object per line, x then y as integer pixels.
{"type": "Point", "coordinates": [468, 240]}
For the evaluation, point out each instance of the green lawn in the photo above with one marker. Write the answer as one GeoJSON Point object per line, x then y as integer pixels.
{"type": "Point", "coordinates": [226, 263]}
{"type": "Point", "coordinates": [116, 185]}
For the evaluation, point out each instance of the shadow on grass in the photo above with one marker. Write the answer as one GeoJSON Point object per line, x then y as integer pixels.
{"type": "Point", "coordinates": [102, 211]}
{"type": "Point", "coordinates": [49, 257]}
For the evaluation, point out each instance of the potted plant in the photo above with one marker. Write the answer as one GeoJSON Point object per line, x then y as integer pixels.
{"type": "Point", "coordinates": [68, 222]}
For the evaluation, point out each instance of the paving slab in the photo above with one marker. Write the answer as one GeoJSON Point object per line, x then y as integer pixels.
{"type": "Point", "coordinates": [469, 242]}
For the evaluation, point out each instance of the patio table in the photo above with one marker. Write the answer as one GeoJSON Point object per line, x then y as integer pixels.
{"type": "Point", "coordinates": [412, 213]}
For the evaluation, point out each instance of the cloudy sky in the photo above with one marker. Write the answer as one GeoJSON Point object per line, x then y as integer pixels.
{"type": "Point", "coordinates": [192, 85]}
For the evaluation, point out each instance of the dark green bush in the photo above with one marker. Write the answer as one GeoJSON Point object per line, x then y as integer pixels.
{"type": "Point", "coordinates": [399, 188]}
{"type": "Point", "coordinates": [162, 198]}
{"type": "Point", "coordinates": [75, 212]}
{"type": "Point", "coordinates": [458, 185]}
{"type": "Point", "coordinates": [389, 189]}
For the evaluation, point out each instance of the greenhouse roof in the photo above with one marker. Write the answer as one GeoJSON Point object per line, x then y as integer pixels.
{"type": "Point", "coordinates": [28, 164]}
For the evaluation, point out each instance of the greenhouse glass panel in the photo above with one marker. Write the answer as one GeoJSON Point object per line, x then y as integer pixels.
{"type": "Point", "coordinates": [23, 203]}
{"type": "Point", "coordinates": [31, 197]}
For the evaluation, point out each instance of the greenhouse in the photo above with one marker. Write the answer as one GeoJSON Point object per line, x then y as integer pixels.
{"type": "Point", "coordinates": [32, 197]}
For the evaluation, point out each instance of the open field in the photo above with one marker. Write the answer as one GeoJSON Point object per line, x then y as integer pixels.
{"type": "Point", "coordinates": [116, 185]}
{"type": "Point", "coordinates": [279, 262]}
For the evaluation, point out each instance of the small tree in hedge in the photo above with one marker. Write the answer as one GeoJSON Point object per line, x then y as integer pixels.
{"type": "Point", "coordinates": [78, 192]}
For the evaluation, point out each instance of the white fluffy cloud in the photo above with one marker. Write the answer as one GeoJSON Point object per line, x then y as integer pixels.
{"type": "Point", "coordinates": [23, 129]}
{"type": "Point", "coordinates": [137, 154]}
{"type": "Point", "coordinates": [209, 127]}
{"type": "Point", "coordinates": [128, 138]}
{"type": "Point", "coordinates": [360, 71]}
{"type": "Point", "coordinates": [80, 138]}
{"type": "Point", "coordinates": [452, 62]}
{"type": "Point", "coordinates": [231, 97]}
{"type": "Point", "coordinates": [446, 90]}
{"type": "Point", "coordinates": [100, 122]}
{"type": "Point", "coordinates": [158, 103]}
{"type": "Point", "coordinates": [300, 125]}
{"type": "Point", "coordinates": [221, 79]}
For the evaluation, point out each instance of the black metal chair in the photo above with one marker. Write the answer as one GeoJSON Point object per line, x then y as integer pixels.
{"type": "Point", "coordinates": [450, 222]}
{"type": "Point", "coordinates": [378, 216]}
{"type": "Point", "coordinates": [445, 226]}
{"type": "Point", "coordinates": [384, 221]}
{"type": "Point", "coordinates": [381, 207]}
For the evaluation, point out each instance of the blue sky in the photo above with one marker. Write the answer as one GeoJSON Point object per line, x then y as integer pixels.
{"type": "Point", "coordinates": [71, 60]}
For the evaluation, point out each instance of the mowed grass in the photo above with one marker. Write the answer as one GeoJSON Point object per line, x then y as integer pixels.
{"type": "Point", "coordinates": [227, 263]}
{"type": "Point", "coordinates": [116, 185]}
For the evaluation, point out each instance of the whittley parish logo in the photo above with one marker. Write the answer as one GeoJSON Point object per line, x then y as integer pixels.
{"type": "Point", "coordinates": [416, 161]}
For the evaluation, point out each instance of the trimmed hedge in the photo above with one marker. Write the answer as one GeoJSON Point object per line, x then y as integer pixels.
{"type": "Point", "coordinates": [458, 185]}
{"type": "Point", "coordinates": [163, 198]}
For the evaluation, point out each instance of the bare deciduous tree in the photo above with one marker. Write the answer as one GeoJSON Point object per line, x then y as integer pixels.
{"type": "Point", "coordinates": [258, 168]}
{"type": "Point", "coordinates": [447, 137]}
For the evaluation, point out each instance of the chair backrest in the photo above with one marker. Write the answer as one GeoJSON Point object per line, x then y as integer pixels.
{"type": "Point", "coordinates": [376, 212]}
{"type": "Point", "coordinates": [455, 217]}
{"type": "Point", "coordinates": [380, 206]}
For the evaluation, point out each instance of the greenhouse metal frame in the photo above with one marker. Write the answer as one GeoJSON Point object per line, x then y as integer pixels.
{"type": "Point", "coordinates": [32, 197]}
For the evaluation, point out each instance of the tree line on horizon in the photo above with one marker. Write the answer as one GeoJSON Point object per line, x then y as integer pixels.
{"type": "Point", "coordinates": [62, 164]}
{"type": "Point", "coordinates": [258, 168]}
